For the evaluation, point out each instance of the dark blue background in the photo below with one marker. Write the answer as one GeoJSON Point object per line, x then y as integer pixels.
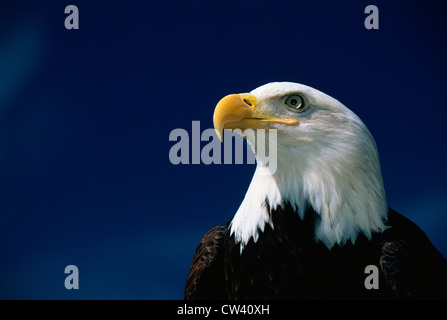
{"type": "Point", "coordinates": [85, 117]}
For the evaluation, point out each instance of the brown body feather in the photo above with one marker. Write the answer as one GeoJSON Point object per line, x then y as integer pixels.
{"type": "Point", "coordinates": [286, 263]}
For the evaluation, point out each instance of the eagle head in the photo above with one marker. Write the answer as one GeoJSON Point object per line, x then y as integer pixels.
{"type": "Point", "coordinates": [326, 159]}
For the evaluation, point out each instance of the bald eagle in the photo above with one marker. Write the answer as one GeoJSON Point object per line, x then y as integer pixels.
{"type": "Point", "coordinates": [310, 229]}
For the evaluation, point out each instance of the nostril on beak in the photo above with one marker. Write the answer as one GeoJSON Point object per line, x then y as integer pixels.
{"type": "Point", "coordinates": [248, 103]}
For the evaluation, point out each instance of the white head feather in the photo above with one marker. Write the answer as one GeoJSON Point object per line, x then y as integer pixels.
{"type": "Point", "coordinates": [328, 161]}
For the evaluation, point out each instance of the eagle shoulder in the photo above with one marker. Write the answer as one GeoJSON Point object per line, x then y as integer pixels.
{"type": "Point", "coordinates": [412, 266]}
{"type": "Point", "coordinates": [206, 278]}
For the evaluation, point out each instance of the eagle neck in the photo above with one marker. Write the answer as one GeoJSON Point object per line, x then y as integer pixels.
{"type": "Point", "coordinates": [346, 208]}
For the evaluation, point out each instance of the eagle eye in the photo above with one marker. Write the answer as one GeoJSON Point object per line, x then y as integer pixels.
{"type": "Point", "coordinates": [295, 102]}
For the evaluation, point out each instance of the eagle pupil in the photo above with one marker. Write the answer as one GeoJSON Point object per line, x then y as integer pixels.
{"type": "Point", "coordinates": [294, 102]}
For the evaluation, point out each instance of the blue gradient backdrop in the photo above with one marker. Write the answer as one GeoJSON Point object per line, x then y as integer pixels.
{"type": "Point", "coordinates": [85, 117]}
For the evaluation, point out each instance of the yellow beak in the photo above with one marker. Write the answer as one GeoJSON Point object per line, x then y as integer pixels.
{"type": "Point", "coordinates": [238, 111]}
